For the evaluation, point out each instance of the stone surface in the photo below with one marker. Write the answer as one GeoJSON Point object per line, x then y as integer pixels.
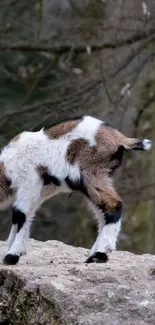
{"type": "Point", "coordinates": [69, 292]}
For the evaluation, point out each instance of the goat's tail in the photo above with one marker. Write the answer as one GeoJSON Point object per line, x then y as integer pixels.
{"type": "Point", "coordinates": [137, 144]}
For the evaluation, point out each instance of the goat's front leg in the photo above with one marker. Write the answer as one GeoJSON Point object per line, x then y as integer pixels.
{"type": "Point", "coordinates": [12, 234]}
{"type": "Point", "coordinates": [18, 220]}
{"type": "Point", "coordinates": [19, 245]}
{"type": "Point", "coordinates": [24, 209]}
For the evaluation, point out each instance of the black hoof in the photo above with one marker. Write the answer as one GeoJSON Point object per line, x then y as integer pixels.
{"type": "Point", "coordinates": [10, 259]}
{"type": "Point", "coordinates": [97, 257]}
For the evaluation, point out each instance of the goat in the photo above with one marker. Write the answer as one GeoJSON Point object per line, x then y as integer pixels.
{"type": "Point", "coordinates": [77, 155]}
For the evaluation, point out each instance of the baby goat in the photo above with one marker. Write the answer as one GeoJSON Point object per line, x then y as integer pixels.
{"type": "Point", "coordinates": [76, 155]}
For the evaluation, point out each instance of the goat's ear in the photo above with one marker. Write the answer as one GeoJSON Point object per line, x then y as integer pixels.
{"type": "Point", "coordinates": [118, 155]}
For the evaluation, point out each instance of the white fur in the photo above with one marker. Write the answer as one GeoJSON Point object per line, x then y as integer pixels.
{"type": "Point", "coordinates": [21, 159]}
{"type": "Point", "coordinates": [12, 236]}
{"type": "Point", "coordinates": [19, 245]}
{"type": "Point", "coordinates": [147, 144]}
{"type": "Point", "coordinates": [108, 237]}
{"type": "Point", "coordinates": [107, 234]}
{"type": "Point", "coordinates": [87, 129]}
{"type": "Point", "coordinates": [101, 222]}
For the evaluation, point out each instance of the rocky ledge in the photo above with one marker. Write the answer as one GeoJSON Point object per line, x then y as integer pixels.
{"type": "Point", "coordinates": [52, 286]}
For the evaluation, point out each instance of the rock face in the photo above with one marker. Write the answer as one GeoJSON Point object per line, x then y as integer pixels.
{"type": "Point", "coordinates": [69, 292]}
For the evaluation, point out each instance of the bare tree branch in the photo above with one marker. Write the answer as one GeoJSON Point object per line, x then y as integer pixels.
{"type": "Point", "coordinates": [79, 49]}
{"type": "Point", "coordinates": [134, 53]}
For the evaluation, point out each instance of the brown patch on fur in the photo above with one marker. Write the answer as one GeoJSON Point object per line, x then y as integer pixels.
{"type": "Point", "coordinates": [99, 159]}
{"type": "Point", "coordinates": [110, 199]}
{"type": "Point", "coordinates": [110, 139]}
{"type": "Point", "coordinates": [16, 138]}
{"type": "Point", "coordinates": [96, 159]}
{"type": "Point", "coordinates": [48, 191]}
{"type": "Point", "coordinates": [5, 184]}
{"type": "Point", "coordinates": [101, 190]}
{"type": "Point", "coordinates": [90, 158]}
{"type": "Point", "coordinates": [57, 131]}
{"type": "Point", "coordinates": [76, 149]}
{"type": "Point", "coordinates": [96, 164]}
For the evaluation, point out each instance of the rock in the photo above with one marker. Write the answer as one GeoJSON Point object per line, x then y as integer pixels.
{"type": "Point", "coordinates": [70, 292]}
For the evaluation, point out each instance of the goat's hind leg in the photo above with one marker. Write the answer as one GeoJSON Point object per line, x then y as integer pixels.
{"type": "Point", "coordinates": [100, 219]}
{"type": "Point", "coordinates": [107, 207]}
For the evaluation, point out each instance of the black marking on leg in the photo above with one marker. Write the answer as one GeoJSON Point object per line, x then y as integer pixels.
{"type": "Point", "coordinates": [113, 216]}
{"type": "Point", "coordinates": [18, 217]}
{"type": "Point", "coordinates": [10, 259]}
{"type": "Point", "coordinates": [77, 185]}
{"type": "Point", "coordinates": [48, 179]}
{"type": "Point", "coordinates": [97, 257]}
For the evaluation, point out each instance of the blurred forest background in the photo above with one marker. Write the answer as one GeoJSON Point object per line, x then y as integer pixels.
{"type": "Point", "coordinates": [62, 58]}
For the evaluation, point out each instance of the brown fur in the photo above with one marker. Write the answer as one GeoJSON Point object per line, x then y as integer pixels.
{"type": "Point", "coordinates": [101, 190]}
{"type": "Point", "coordinates": [108, 139]}
{"type": "Point", "coordinates": [5, 184]}
{"type": "Point", "coordinates": [61, 129]}
{"type": "Point", "coordinates": [90, 158]}
{"type": "Point", "coordinates": [96, 165]}
{"type": "Point", "coordinates": [76, 149]}
{"type": "Point", "coordinates": [95, 161]}
{"type": "Point", "coordinates": [47, 190]}
{"type": "Point", "coordinates": [97, 158]}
